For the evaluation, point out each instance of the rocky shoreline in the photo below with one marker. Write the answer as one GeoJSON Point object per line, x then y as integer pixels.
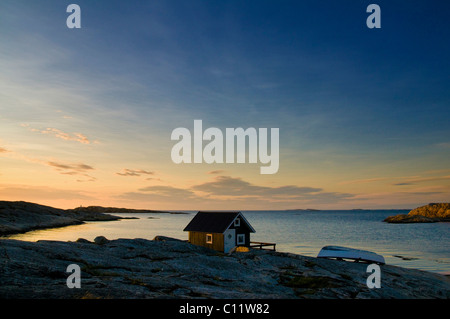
{"type": "Point", "coordinates": [20, 217]}
{"type": "Point", "coordinates": [431, 213]}
{"type": "Point", "coordinates": [171, 268]}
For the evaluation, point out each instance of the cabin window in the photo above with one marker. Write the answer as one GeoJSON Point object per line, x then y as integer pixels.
{"type": "Point", "coordinates": [237, 222]}
{"type": "Point", "coordinates": [241, 239]}
{"type": "Point", "coordinates": [209, 238]}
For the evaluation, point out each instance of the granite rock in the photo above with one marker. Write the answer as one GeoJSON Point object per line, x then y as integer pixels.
{"type": "Point", "coordinates": [431, 213]}
{"type": "Point", "coordinates": [171, 268]}
{"type": "Point", "coordinates": [19, 217]}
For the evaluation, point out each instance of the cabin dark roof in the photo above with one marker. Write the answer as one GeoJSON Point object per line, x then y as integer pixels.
{"type": "Point", "coordinates": [214, 222]}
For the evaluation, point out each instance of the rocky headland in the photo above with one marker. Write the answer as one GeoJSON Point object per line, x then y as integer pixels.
{"type": "Point", "coordinates": [431, 213]}
{"type": "Point", "coordinates": [20, 217]}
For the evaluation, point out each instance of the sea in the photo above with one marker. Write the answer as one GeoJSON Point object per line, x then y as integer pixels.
{"type": "Point", "coordinates": [423, 246]}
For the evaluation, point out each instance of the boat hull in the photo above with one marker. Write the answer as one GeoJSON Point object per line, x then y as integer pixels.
{"type": "Point", "coordinates": [345, 253]}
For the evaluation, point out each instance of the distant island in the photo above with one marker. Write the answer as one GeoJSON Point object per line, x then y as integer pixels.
{"type": "Point", "coordinates": [431, 213]}
{"type": "Point", "coordinates": [302, 209]}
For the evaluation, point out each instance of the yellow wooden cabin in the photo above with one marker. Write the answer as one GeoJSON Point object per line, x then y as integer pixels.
{"type": "Point", "coordinates": [221, 231]}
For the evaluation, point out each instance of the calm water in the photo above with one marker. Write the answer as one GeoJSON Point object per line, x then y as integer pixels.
{"type": "Point", "coordinates": [420, 246]}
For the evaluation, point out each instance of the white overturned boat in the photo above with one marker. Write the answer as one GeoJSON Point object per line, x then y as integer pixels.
{"type": "Point", "coordinates": [343, 253]}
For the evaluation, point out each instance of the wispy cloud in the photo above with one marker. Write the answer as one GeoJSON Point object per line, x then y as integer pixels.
{"type": "Point", "coordinates": [438, 171]}
{"type": "Point", "coordinates": [226, 189]}
{"type": "Point", "coordinates": [402, 181]}
{"type": "Point", "coordinates": [64, 168]}
{"type": "Point", "coordinates": [363, 181]}
{"type": "Point", "coordinates": [77, 137]}
{"type": "Point", "coordinates": [79, 169]}
{"type": "Point", "coordinates": [167, 191]}
{"type": "Point", "coordinates": [403, 199]}
{"type": "Point", "coordinates": [67, 117]}
{"type": "Point", "coordinates": [134, 172]}
{"type": "Point", "coordinates": [229, 186]}
{"type": "Point", "coordinates": [161, 194]}
{"type": "Point", "coordinates": [226, 186]}
{"type": "Point", "coordinates": [414, 181]}
{"type": "Point", "coordinates": [73, 167]}
{"type": "Point", "coordinates": [216, 172]}
{"type": "Point", "coordinates": [443, 145]}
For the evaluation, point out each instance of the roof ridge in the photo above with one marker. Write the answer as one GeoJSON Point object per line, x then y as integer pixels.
{"type": "Point", "coordinates": [204, 221]}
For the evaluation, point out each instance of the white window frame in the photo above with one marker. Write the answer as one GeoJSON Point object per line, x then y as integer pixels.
{"type": "Point", "coordinates": [209, 238]}
{"type": "Point", "coordinates": [237, 222]}
{"type": "Point", "coordinates": [240, 239]}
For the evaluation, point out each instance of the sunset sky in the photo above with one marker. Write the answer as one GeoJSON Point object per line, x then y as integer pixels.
{"type": "Point", "coordinates": [86, 115]}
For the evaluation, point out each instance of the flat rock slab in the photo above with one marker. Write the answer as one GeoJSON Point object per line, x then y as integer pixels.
{"type": "Point", "coordinates": [170, 268]}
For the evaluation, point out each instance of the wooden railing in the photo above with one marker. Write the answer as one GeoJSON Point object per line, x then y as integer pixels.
{"type": "Point", "coordinates": [260, 245]}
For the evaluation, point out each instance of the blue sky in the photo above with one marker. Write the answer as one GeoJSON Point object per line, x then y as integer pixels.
{"type": "Point", "coordinates": [352, 103]}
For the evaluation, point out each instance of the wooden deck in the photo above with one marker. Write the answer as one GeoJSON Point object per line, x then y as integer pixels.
{"type": "Point", "coordinates": [260, 245]}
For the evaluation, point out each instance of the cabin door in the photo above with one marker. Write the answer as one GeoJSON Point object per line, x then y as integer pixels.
{"type": "Point", "coordinates": [229, 240]}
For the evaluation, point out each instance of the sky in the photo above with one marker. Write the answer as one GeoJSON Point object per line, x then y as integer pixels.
{"type": "Point", "coordinates": [86, 114]}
